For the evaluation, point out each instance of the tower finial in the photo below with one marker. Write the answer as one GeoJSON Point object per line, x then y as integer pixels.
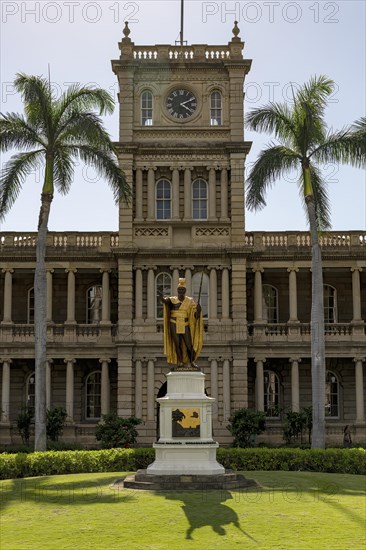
{"type": "Point", "coordinates": [126, 32]}
{"type": "Point", "coordinates": [236, 32]}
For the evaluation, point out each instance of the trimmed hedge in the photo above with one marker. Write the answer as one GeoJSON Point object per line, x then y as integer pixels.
{"type": "Point", "coordinates": [339, 461]}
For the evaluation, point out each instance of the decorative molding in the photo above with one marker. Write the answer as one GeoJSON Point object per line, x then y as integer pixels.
{"type": "Point", "coordinates": [151, 232]}
{"type": "Point", "coordinates": [212, 232]}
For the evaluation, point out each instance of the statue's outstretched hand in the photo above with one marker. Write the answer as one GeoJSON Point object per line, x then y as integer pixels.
{"type": "Point", "coordinates": [198, 309]}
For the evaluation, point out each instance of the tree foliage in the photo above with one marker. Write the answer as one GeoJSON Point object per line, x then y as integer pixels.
{"type": "Point", "coordinates": [115, 431]}
{"type": "Point", "coordinates": [245, 425]}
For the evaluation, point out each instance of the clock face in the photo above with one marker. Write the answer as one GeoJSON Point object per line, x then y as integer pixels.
{"type": "Point", "coordinates": [181, 104]}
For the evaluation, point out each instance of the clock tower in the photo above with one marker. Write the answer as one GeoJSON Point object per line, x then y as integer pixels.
{"type": "Point", "coordinates": [182, 149]}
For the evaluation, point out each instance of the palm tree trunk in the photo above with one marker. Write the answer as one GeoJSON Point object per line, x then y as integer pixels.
{"type": "Point", "coordinates": [317, 333]}
{"type": "Point", "coordinates": [40, 325]}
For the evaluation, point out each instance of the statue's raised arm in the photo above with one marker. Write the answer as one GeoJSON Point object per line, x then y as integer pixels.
{"type": "Point", "coordinates": [183, 328]}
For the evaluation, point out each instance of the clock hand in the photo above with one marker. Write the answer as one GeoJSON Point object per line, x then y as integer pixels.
{"type": "Point", "coordinates": [185, 107]}
{"type": "Point", "coordinates": [188, 100]}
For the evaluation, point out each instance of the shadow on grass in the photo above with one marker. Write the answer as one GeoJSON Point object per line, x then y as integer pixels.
{"type": "Point", "coordinates": [204, 508]}
{"type": "Point", "coordinates": [48, 490]}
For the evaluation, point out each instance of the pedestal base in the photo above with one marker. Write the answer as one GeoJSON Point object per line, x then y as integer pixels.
{"type": "Point", "coordinates": [228, 480]}
{"type": "Point", "coordinates": [185, 458]}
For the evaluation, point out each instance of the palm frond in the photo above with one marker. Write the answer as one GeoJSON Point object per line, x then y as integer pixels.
{"type": "Point", "coordinates": [271, 164]}
{"type": "Point", "coordinates": [13, 175]}
{"type": "Point", "coordinates": [308, 113]}
{"type": "Point", "coordinates": [273, 118]}
{"type": "Point", "coordinates": [105, 162]}
{"type": "Point", "coordinates": [37, 99]}
{"type": "Point", "coordinates": [63, 170]}
{"type": "Point", "coordinates": [77, 99]}
{"type": "Point", "coordinates": [16, 132]}
{"type": "Point", "coordinates": [346, 146]}
{"type": "Point", "coordinates": [84, 128]}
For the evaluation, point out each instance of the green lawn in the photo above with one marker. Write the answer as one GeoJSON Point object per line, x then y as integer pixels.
{"type": "Point", "coordinates": [290, 511]}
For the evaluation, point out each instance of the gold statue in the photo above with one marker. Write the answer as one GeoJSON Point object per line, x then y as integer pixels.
{"type": "Point", "coordinates": [183, 328]}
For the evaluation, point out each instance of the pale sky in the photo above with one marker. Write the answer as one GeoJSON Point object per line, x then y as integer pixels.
{"type": "Point", "coordinates": [288, 42]}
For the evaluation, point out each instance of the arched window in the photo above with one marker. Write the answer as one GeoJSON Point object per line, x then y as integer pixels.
{"type": "Point", "coordinates": [146, 108]}
{"type": "Point", "coordinates": [30, 307]}
{"type": "Point", "coordinates": [270, 304]}
{"type": "Point", "coordinates": [199, 199]}
{"type": "Point", "coordinates": [330, 304]}
{"type": "Point", "coordinates": [30, 391]}
{"type": "Point", "coordinates": [94, 304]}
{"type": "Point", "coordinates": [216, 109]}
{"type": "Point", "coordinates": [271, 394]}
{"type": "Point", "coordinates": [163, 287]}
{"type": "Point", "coordinates": [163, 200]}
{"type": "Point", "coordinates": [93, 395]}
{"type": "Point", "coordinates": [196, 283]}
{"type": "Point", "coordinates": [331, 395]}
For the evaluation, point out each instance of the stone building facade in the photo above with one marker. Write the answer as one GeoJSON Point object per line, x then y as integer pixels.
{"type": "Point", "coordinates": [183, 151]}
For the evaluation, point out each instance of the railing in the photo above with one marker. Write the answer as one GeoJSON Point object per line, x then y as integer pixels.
{"type": "Point", "coordinates": [255, 241]}
{"type": "Point", "coordinates": [200, 52]}
{"type": "Point", "coordinates": [66, 333]}
{"type": "Point", "coordinates": [82, 240]}
{"type": "Point", "coordinates": [302, 331]}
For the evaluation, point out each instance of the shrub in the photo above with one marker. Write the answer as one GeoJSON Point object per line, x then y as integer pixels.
{"type": "Point", "coordinates": [244, 425]}
{"type": "Point", "coordinates": [24, 421]}
{"type": "Point", "coordinates": [56, 419]}
{"type": "Point", "coordinates": [340, 461]}
{"type": "Point", "coordinates": [116, 431]}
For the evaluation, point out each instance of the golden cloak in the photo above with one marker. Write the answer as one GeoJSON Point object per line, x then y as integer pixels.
{"type": "Point", "coordinates": [195, 326]}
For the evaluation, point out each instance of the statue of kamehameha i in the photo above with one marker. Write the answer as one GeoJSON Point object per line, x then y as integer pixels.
{"type": "Point", "coordinates": [183, 328]}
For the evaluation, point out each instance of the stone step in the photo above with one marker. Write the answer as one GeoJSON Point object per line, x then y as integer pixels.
{"type": "Point", "coordinates": [229, 481]}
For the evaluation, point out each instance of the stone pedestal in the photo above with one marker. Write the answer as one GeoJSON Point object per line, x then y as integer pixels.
{"type": "Point", "coordinates": [185, 454]}
{"type": "Point", "coordinates": [185, 445]}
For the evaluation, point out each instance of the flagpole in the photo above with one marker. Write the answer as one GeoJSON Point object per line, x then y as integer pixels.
{"type": "Point", "coordinates": [181, 21]}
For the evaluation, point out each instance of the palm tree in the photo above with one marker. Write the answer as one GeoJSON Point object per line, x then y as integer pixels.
{"type": "Point", "coordinates": [53, 132]}
{"type": "Point", "coordinates": [304, 141]}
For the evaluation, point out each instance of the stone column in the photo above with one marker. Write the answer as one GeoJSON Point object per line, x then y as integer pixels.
{"type": "Point", "coordinates": [188, 277]}
{"type": "Point", "coordinates": [8, 295]}
{"type": "Point", "coordinates": [151, 294]}
{"type": "Point", "coordinates": [5, 391]}
{"type": "Point", "coordinates": [226, 393]}
{"type": "Point", "coordinates": [360, 401]}
{"type": "Point", "coordinates": [70, 388]}
{"type": "Point", "coordinates": [259, 384]}
{"type": "Point", "coordinates": [105, 386]}
{"type": "Point", "coordinates": [212, 194]}
{"type": "Point", "coordinates": [258, 295]}
{"type": "Point", "coordinates": [225, 294]}
{"type": "Point", "coordinates": [49, 294]}
{"type": "Point", "coordinates": [188, 194]}
{"type": "Point", "coordinates": [151, 200]}
{"type": "Point", "coordinates": [150, 391]}
{"type": "Point", "coordinates": [293, 294]}
{"type": "Point", "coordinates": [138, 294]}
{"type": "Point", "coordinates": [295, 386]}
{"type": "Point", "coordinates": [138, 195]}
{"type": "Point", "coordinates": [138, 388]}
{"type": "Point", "coordinates": [175, 193]}
{"type": "Point", "coordinates": [214, 388]}
{"type": "Point", "coordinates": [224, 196]}
{"type": "Point", "coordinates": [213, 294]}
{"type": "Point", "coordinates": [70, 295]}
{"type": "Point", "coordinates": [105, 296]}
{"type": "Point", "coordinates": [48, 383]}
{"type": "Point", "coordinates": [356, 294]}
{"type": "Point", "coordinates": [175, 280]}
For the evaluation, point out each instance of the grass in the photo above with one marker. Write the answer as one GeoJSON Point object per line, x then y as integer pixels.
{"type": "Point", "coordinates": [291, 510]}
